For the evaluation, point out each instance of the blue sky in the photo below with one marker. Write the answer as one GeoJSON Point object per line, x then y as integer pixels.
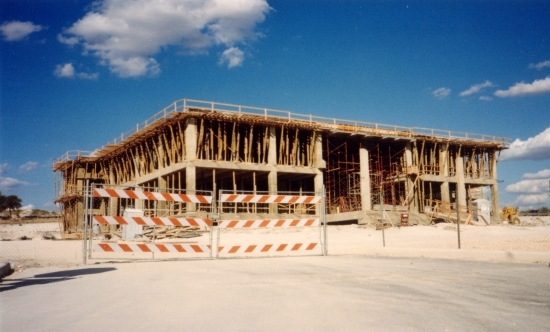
{"type": "Point", "coordinates": [75, 74]}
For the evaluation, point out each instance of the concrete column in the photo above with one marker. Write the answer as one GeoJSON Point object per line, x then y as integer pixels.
{"type": "Point", "coordinates": [410, 183]}
{"type": "Point", "coordinates": [495, 204]}
{"type": "Point", "coordinates": [190, 185]}
{"type": "Point", "coordinates": [319, 162]}
{"type": "Point", "coordinates": [191, 139]}
{"type": "Point", "coordinates": [272, 187]}
{"type": "Point", "coordinates": [190, 155]}
{"type": "Point", "coordinates": [318, 185]}
{"type": "Point", "coordinates": [272, 160]}
{"type": "Point", "coordinates": [364, 173]}
{"type": "Point", "coordinates": [444, 171]}
{"type": "Point", "coordinates": [161, 205]}
{"type": "Point", "coordinates": [272, 151]}
{"type": "Point", "coordinates": [460, 184]}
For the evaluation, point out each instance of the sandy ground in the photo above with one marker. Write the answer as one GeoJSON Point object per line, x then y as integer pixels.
{"type": "Point", "coordinates": [532, 236]}
{"type": "Point", "coordinates": [334, 293]}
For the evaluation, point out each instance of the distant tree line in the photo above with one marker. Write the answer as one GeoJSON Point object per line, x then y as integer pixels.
{"type": "Point", "coordinates": [11, 203]}
{"type": "Point", "coordinates": [543, 211]}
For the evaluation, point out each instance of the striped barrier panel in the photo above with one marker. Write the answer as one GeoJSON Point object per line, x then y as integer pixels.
{"type": "Point", "coordinates": [290, 199]}
{"type": "Point", "coordinates": [154, 196]}
{"type": "Point", "coordinates": [150, 248]}
{"type": "Point", "coordinates": [153, 221]}
{"type": "Point", "coordinates": [268, 223]}
{"type": "Point", "coordinates": [266, 248]}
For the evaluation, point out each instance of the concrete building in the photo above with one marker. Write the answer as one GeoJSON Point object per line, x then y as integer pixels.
{"type": "Point", "coordinates": [196, 145]}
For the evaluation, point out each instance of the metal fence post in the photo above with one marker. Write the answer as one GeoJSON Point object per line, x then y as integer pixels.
{"type": "Point", "coordinates": [457, 217]}
{"type": "Point", "coordinates": [85, 223]}
{"type": "Point", "coordinates": [218, 223]}
{"type": "Point", "coordinates": [324, 216]}
{"type": "Point", "coordinates": [90, 218]}
{"type": "Point", "coordinates": [212, 218]}
{"type": "Point", "coordinates": [382, 217]}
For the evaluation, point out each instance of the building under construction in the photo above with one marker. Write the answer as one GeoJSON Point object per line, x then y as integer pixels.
{"type": "Point", "coordinates": [195, 145]}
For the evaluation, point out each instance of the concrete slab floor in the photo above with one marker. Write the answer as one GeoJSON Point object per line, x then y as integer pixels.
{"type": "Point", "coordinates": [334, 293]}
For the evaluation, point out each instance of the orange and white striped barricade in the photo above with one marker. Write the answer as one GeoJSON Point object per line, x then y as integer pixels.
{"type": "Point", "coordinates": [302, 235]}
{"type": "Point", "coordinates": [115, 206]}
{"type": "Point", "coordinates": [268, 237]}
{"type": "Point", "coordinates": [150, 195]}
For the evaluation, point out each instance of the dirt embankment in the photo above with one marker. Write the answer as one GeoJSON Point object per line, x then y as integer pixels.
{"type": "Point", "coordinates": [40, 220]}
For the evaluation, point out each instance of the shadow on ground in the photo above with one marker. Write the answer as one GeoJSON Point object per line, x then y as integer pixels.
{"type": "Point", "coordinates": [46, 278]}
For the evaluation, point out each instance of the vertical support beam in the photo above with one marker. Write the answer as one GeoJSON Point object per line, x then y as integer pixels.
{"type": "Point", "coordinates": [190, 185]}
{"type": "Point", "coordinates": [272, 161]}
{"type": "Point", "coordinates": [272, 148]}
{"type": "Point", "coordinates": [319, 163]}
{"type": "Point", "coordinates": [191, 139]}
{"type": "Point", "coordinates": [495, 208]}
{"type": "Point", "coordinates": [162, 153]}
{"type": "Point", "coordinates": [460, 184]}
{"type": "Point", "coordinates": [444, 171]}
{"type": "Point", "coordinates": [364, 173]}
{"type": "Point", "coordinates": [190, 155]}
{"type": "Point", "coordinates": [272, 187]}
{"type": "Point", "coordinates": [161, 205]}
{"type": "Point", "coordinates": [411, 192]}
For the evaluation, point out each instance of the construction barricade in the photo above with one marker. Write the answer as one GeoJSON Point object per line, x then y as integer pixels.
{"type": "Point", "coordinates": [147, 223]}
{"type": "Point", "coordinates": [263, 224]}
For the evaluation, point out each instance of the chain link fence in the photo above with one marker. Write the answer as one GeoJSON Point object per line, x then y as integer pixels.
{"type": "Point", "coordinates": [291, 226]}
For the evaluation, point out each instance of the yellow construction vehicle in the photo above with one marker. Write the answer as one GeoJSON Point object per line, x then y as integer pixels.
{"type": "Point", "coordinates": [511, 214]}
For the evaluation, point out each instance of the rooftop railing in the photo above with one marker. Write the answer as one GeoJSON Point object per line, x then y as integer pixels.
{"type": "Point", "coordinates": [72, 155]}
{"type": "Point", "coordinates": [335, 124]}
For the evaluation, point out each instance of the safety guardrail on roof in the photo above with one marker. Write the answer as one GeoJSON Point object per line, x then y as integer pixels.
{"type": "Point", "coordinates": [183, 105]}
{"type": "Point", "coordinates": [72, 155]}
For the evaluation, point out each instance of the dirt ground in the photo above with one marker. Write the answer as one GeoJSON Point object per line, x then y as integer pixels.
{"type": "Point", "coordinates": [333, 293]}
{"type": "Point", "coordinates": [40, 244]}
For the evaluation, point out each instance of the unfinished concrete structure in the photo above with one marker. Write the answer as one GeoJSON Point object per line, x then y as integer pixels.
{"type": "Point", "coordinates": [197, 145]}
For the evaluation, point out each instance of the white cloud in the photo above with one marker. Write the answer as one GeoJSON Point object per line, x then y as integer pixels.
{"type": "Point", "coordinates": [28, 166]}
{"type": "Point", "coordinates": [67, 40]}
{"type": "Point", "coordinates": [17, 30]}
{"type": "Point", "coordinates": [533, 190]}
{"type": "Point", "coordinates": [64, 70]}
{"type": "Point", "coordinates": [544, 174]}
{"type": "Point", "coordinates": [485, 98]}
{"type": "Point", "coordinates": [87, 76]}
{"type": "Point", "coordinates": [233, 56]}
{"type": "Point", "coordinates": [4, 168]}
{"type": "Point", "coordinates": [134, 66]}
{"type": "Point", "coordinates": [531, 201]}
{"type": "Point", "coordinates": [125, 35]}
{"type": "Point", "coordinates": [540, 65]}
{"type": "Point", "coordinates": [8, 184]}
{"type": "Point", "coordinates": [441, 93]}
{"type": "Point", "coordinates": [476, 88]}
{"type": "Point", "coordinates": [534, 148]}
{"type": "Point", "coordinates": [522, 89]}
{"type": "Point", "coordinates": [529, 186]}
{"type": "Point", "coordinates": [67, 70]}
